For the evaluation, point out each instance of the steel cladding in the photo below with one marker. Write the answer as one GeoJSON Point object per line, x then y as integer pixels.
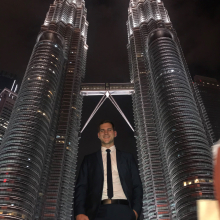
{"type": "Point", "coordinates": [39, 151]}
{"type": "Point", "coordinates": [174, 138]}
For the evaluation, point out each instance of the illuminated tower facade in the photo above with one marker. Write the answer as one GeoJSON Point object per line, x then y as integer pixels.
{"type": "Point", "coordinates": [39, 149]}
{"type": "Point", "coordinates": [7, 80]}
{"type": "Point", "coordinates": [7, 100]}
{"type": "Point", "coordinates": [173, 137]}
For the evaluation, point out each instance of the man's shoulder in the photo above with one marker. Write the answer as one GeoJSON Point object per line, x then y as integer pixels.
{"type": "Point", "coordinates": [125, 154]}
{"type": "Point", "coordinates": [92, 155]}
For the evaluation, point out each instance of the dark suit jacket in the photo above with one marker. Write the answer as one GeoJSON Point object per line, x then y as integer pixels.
{"type": "Point", "coordinates": [89, 185]}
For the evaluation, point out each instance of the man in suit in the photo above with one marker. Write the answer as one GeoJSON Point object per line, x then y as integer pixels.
{"type": "Point", "coordinates": [109, 185]}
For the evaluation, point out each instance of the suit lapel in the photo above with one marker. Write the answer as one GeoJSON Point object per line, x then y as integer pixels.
{"type": "Point", "coordinates": [99, 157]}
{"type": "Point", "coordinates": [121, 171]}
{"type": "Point", "coordinates": [119, 160]}
{"type": "Point", "coordinates": [119, 165]}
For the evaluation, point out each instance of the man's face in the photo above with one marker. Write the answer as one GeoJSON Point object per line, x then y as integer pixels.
{"type": "Point", "coordinates": [107, 134]}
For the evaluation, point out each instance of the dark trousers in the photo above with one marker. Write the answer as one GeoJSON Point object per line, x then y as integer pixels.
{"type": "Point", "coordinates": [115, 212]}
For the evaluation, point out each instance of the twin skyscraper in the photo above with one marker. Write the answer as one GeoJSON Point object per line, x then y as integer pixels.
{"type": "Point", "coordinates": [38, 154]}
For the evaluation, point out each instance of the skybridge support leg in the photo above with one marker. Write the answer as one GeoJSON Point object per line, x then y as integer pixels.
{"type": "Point", "coordinates": [104, 97]}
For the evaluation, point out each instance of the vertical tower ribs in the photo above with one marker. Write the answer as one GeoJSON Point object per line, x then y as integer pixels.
{"type": "Point", "coordinates": [174, 138]}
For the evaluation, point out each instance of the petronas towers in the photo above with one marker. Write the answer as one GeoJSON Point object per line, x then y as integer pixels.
{"type": "Point", "coordinates": [39, 149]}
{"type": "Point", "coordinates": [174, 137]}
{"type": "Point", "coordinates": [38, 154]}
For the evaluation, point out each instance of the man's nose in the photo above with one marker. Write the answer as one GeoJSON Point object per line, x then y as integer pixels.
{"type": "Point", "coordinates": [106, 131]}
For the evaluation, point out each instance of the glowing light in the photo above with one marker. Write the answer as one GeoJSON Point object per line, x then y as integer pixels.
{"type": "Point", "coordinates": [107, 94]}
{"type": "Point", "coordinates": [16, 87]}
{"type": "Point", "coordinates": [5, 180]}
{"type": "Point", "coordinates": [13, 85]}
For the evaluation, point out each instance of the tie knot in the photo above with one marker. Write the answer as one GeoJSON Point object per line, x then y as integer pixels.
{"type": "Point", "coordinates": [108, 151]}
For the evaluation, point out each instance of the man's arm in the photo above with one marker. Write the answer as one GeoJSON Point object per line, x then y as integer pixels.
{"type": "Point", "coordinates": [137, 191]}
{"type": "Point", "coordinates": [135, 214]}
{"type": "Point", "coordinates": [81, 189]}
{"type": "Point", "coordinates": [82, 217]}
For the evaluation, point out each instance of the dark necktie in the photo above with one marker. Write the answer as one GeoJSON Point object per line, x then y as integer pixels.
{"type": "Point", "coordinates": [109, 175]}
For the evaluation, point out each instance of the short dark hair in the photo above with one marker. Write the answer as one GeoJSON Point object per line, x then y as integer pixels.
{"type": "Point", "coordinates": [106, 121]}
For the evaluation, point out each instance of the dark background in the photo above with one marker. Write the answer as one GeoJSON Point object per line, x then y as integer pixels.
{"type": "Point", "coordinates": [196, 22]}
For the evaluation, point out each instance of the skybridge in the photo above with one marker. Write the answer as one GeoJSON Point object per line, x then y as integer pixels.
{"type": "Point", "coordinates": [94, 89]}
{"type": "Point", "coordinates": [106, 90]}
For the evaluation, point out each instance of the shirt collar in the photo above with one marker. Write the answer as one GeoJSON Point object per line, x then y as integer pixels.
{"type": "Point", "coordinates": [112, 148]}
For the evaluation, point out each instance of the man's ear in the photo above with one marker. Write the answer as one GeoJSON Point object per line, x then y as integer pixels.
{"type": "Point", "coordinates": [115, 133]}
{"type": "Point", "coordinates": [98, 135]}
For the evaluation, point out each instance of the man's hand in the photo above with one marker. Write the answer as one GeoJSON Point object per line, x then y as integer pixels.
{"type": "Point", "coordinates": [82, 217]}
{"type": "Point", "coordinates": [135, 214]}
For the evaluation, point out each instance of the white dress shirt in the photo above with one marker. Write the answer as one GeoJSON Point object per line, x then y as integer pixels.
{"type": "Point", "coordinates": [118, 192]}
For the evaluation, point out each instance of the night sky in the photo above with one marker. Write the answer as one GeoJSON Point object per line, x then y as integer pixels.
{"type": "Point", "coordinates": [197, 23]}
